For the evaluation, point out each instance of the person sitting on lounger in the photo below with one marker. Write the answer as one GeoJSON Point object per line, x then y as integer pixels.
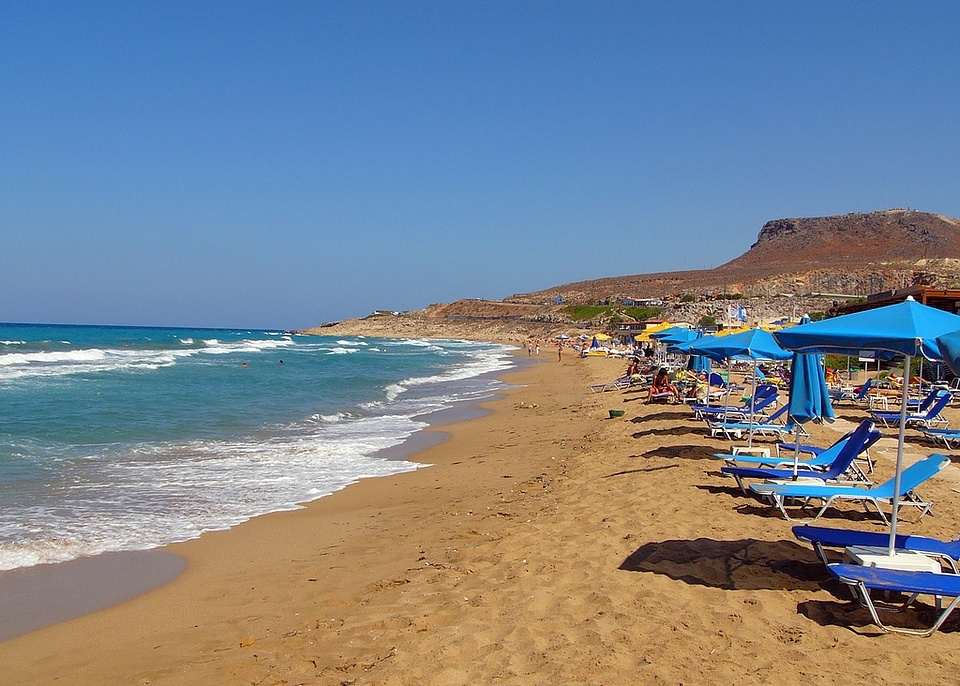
{"type": "Point", "coordinates": [661, 384]}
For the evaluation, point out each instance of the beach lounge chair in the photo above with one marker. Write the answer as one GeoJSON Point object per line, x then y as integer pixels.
{"type": "Point", "coordinates": [912, 476]}
{"type": "Point", "coordinates": [765, 396]}
{"type": "Point", "coordinates": [915, 405]}
{"type": "Point", "coordinates": [822, 457]}
{"type": "Point", "coordinates": [858, 398]}
{"type": "Point", "coordinates": [932, 417]}
{"type": "Point", "coordinates": [946, 436]}
{"type": "Point", "coordinates": [863, 436]}
{"type": "Point", "coordinates": [863, 579]}
{"type": "Point", "coordinates": [764, 426]}
{"type": "Point", "coordinates": [820, 537]}
{"type": "Point", "coordinates": [620, 384]}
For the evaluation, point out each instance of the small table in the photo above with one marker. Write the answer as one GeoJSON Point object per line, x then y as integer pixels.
{"type": "Point", "coordinates": [908, 560]}
{"type": "Point", "coordinates": [877, 401]}
{"type": "Point", "coordinates": [756, 450]}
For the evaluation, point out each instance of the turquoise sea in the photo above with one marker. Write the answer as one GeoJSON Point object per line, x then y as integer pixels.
{"type": "Point", "coordinates": [115, 438]}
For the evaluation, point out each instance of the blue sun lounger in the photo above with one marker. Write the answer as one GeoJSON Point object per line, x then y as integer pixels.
{"type": "Point", "coordinates": [946, 436]}
{"type": "Point", "coordinates": [822, 457]}
{"type": "Point", "coordinates": [929, 418]}
{"type": "Point", "coordinates": [765, 395]}
{"type": "Point", "coordinates": [766, 426]}
{"type": "Point", "coordinates": [863, 579]}
{"type": "Point", "coordinates": [857, 398]}
{"type": "Point", "coordinates": [862, 437]}
{"type": "Point", "coordinates": [912, 476]}
{"type": "Point", "coordinates": [820, 537]}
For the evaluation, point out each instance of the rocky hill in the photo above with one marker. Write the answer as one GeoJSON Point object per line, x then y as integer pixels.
{"type": "Point", "coordinates": [855, 254]}
{"type": "Point", "coordinates": [796, 265]}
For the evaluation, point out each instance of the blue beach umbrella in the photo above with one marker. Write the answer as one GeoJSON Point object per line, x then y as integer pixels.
{"type": "Point", "coordinates": [754, 345]}
{"type": "Point", "coordinates": [949, 347]}
{"type": "Point", "coordinates": [809, 396]}
{"type": "Point", "coordinates": [698, 364]}
{"type": "Point", "coordinates": [674, 335]}
{"type": "Point", "coordinates": [908, 328]}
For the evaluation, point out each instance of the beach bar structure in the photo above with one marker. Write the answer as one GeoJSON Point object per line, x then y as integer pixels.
{"type": "Point", "coordinates": [947, 299]}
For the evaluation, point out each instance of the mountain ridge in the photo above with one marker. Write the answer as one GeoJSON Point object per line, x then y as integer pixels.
{"type": "Point", "coordinates": [796, 265]}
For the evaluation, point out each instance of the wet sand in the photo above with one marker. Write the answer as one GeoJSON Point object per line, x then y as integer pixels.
{"type": "Point", "coordinates": [547, 545]}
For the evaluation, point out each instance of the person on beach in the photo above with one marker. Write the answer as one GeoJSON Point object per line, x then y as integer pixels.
{"type": "Point", "coordinates": [560, 351]}
{"type": "Point", "coordinates": [661, 384]}
{"type": "Point", "coordinates": [538, 348]}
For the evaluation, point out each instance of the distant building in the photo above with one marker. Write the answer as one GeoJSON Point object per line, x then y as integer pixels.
{"type": "Point", "coordinates": [642, 302]}
{"type": "Point", "coordinates": [947, 299]}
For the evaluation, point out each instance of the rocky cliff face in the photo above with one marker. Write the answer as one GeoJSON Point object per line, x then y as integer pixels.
{"type": "Point", "coordinates": [855, 254]}
{"type": "Point", "coordinates": [857, 239]}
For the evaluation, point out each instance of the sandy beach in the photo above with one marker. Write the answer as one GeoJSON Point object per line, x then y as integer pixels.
{"type": "Point", "coordinates": [546, 544]}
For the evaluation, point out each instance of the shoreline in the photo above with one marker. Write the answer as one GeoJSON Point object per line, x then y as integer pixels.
{"type": "Point", "coordinates": [548, 544]}
{"type": "Point", "coordinates": [40, 596]}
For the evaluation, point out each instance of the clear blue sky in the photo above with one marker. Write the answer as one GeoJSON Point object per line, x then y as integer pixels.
{"type": "Point", "coordinates": [278, 164]}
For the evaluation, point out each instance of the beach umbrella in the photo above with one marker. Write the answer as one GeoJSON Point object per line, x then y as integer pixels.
{"type": "Point", "coordinates": [809, 396]}
{"type": "Point", "coordinates": [754, 345]}
{"type": "Point", "coordinates": [699, 364]}
{"type": "Point", "coordinates": [908, 328]}
{"type": "Point", "coordinates": [696, 363]}
{"type": "Point", "coordinates": [674, 335]}
{"type": "Point", "coordinates": [949, 347]}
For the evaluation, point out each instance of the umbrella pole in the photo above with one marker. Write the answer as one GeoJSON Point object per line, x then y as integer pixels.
{"type": "Point", "coordinates": [796, 452]}
{"type": "Point", "coordinates": [897, 475]}
{"type": "Point", "coordinates": [726, 397]}
{"type": "Point", "coordinates": [753, 402]}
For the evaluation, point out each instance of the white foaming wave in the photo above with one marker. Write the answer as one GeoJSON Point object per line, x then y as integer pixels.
{"type": "Point", "coordinates": [331, 418]}
{"type": "Point", "coordinates": [349, 343]}
{"type": "Point", "coordinates": [428, 343]}
{"type": "Point", "coordinates": [394, 390]}
{"type": "Point", "coordinates": [85, 361]}
{"type": "Point", "coordinates": [484, 361]}
{"type": "Point", "coordinates": [186, 341]}
{"type": "Point", "coordinates": [11, 343]}
{"type": "Point", "coordinates": [342, 351]}
{"type": "Point", "coordinates": [250, 345]}
{"type": "Point", "coordinates": [158, 494]}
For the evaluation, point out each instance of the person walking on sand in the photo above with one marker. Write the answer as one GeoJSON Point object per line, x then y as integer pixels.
{"type": "Point", "coordinates": [560, 351]}
{"type": "Point", "coordinates": [538, 348]}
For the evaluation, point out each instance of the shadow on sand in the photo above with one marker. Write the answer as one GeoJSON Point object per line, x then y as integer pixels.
{"type": "Point", "coordinates": [672, 431]}
{"type": "Point", "coordinates": [644, 470]}
{"type": "Point", "coordinates": [684, 452]}
{"type": "Point", "coordinates": [745, 564]}
{"type": "Point", "coordinates": [667, 416]}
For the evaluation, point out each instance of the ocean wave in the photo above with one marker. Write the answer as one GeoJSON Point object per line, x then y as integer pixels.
{"type": "Point", "coordinates": [484, 361]}
{"type": "Point", "coordinates": [53, 363]}
{"type": "Point", "coordinates": [87, 361]}
{"type": "Point", "coordinates": [247, 345]}
{"type": "Point", "coordinates": [151, 495]}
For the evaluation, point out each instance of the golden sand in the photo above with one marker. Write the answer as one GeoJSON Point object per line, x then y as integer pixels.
{"type": "Point", "coordinates": [548, 544]}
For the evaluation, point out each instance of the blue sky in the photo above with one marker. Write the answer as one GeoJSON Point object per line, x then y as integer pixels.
{"type": "Point", "coordinates": [280, 164]}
